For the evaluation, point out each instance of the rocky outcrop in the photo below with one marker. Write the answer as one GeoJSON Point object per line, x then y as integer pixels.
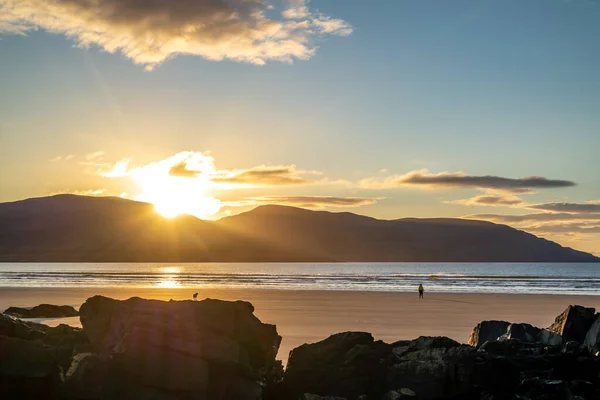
{"type": "Point", "coordinates": [592, 338]}
{"type": "Point", "coordinates": [345, 365]}
{"type": "Point", "coordinates": [573, 323]}
{"type": "Point", "coordinates": [156, 350]}
{"type": "Point", "coordinates": [208, 349]}
{"type": "Point", "coordinates": [486, 331]}
{"type": "Point", "coordinates": [43, 311]}
{"type": "Point", "coordinates": [522, 332]}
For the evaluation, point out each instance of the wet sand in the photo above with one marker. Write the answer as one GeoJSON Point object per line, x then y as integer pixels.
{"type": "Point", "coordinates": [309, 316]}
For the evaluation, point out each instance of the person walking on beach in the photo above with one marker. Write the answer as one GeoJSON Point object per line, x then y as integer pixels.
{"type": "Point", "coordinates": [421, 290]}
{"type": "Point", "coordinates": [195, 297]}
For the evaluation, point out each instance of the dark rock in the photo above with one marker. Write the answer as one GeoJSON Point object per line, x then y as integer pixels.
{"type": "Point", "coordinates": [16, 328]}
{"type": "Point", "coordinates": [585, 389]}
{"type": "Point", "coordinates": [211, 348]}
{"type": "Point", "coordinates": [512, 347]}
{"type": "Point", "coordinates": [537, 388]}
{"type": "Point", "coordinates": [28, 369]}
{"type": "Point", "coordinates": [522, 332]}
{"type": "Point", "coordinates": [65, 339]}
{"type": "Point", "coordinates": [399, 394]}
{"type": "Point", "coordinates": [549, 338]}
{"type": "Point", "coordinates": [433, 368]}
{"type": "Point", "coordinates": [592, 338]}
{"type": "Point", "coordinates": [486, 331]}
{"type": "Point", "coordinates": [346, 365]}
{"type": "Point", "coordinates": [87, 376]}
{"type": "Point", "coordinates": [308, 396]}
{"type": "Point", "coordinates": [573, 323]}
{"type": "Point", "coordinates": [43, 311]}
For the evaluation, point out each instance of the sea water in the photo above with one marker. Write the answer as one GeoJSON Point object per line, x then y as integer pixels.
{"type": "Point", "coordinates": [539, 278]}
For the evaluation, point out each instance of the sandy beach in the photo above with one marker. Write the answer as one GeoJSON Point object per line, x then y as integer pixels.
{"type": "Point", "coordinates": [309, 316]}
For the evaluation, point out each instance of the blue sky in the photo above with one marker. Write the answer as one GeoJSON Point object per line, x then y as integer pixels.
{"type": "Point", "coordinates": [488, 88]}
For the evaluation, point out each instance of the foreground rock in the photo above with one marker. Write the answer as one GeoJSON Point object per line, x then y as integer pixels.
{"type": "Point", "coordinates": [34, 356]}
{"type": "Point", "coordinates": [573, 323]}
{"type": "Point", "coordinates": [209, 349]}
{"type": "Point", "coordinates": [43, 311]}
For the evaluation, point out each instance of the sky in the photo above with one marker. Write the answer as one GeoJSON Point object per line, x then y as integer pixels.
{"type": "Point", "coordinates": [485, 109]}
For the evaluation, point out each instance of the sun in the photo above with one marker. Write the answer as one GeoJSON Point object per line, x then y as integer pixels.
{"type": "Point", "coordinates": [174, 195]}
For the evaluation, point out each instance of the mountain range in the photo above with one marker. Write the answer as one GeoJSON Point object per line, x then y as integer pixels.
{"type": "Point", "coordinates": [69, 228]}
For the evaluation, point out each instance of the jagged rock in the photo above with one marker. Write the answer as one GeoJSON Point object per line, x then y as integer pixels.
{"type": "Point", "coordinates": [211, 348]}
{"type": "Point", "coordinates": [512, 347]}
{"type": "Point", "coordinates": [549, 338]}
{"type": "Point", "coordinates": [435, 371]}
{"type": "Point", "coordinates": [592, 338]}
{"type": "Point", "coordinates": [522, 332]}
{"type": "Point", "coordinates": [486, 331]}
{"type": "Point", "coordinates": [87, 376]}
{"type": "Point", "coordinates": [346, 365]}
{"type": "Point", "coordinates": [573, 323]}
{"type": "Point", "coordinates": [43, 311]}
{"type": "Point", "coordinates": [399, 394]}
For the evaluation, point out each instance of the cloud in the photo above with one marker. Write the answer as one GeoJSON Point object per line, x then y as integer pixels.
{"type": "Point", "coordinates": [119, 170]}
{"type": "Point", "coordinates": [462, 180]}
{"type": "Point", "coordinates": [571, 229]}
{"type": "Point", "coordinates": [286, 175]}
{"type": "Point", "coordinates": [61, 158]}
{"type": "Point", "coordinates": [426, 179]}
{"type": "Point", "coordinates": [313, 202]}
{"type": "Point", "coordinates": [149, 32]}
{"type": "Point", "coordinates": [537, 217]}
{"type": "Point", "coordinates": [567, 207]}
{"type": "Point", "coordinates": [97, 155]}
{"type": "Point", "coordinates": [491, 200]}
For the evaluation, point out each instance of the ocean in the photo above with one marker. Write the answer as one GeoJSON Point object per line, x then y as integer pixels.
{"type": "Point", "coordinates": [539, 278]}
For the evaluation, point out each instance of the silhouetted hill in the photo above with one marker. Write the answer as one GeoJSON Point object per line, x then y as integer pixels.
{"type": "Point", "coordinates": [78, 228]}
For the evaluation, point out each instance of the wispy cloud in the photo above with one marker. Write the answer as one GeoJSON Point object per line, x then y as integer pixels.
{"type": "Point", "coordinates": [285, 175]}
{"type": "Point", "coordinates": [149, 32]}
{"type": "Point", "coordinates": [61, 158]}
{"type": "Point", "coordinates": [426, 179]}
{"type": "Point", "coordinates": [490, 200]}
{"type": "Point", "coordinates": [97, 155]}
{"type": "Point", "coordinates": [534, 218]}
{"type": "Point", "coordinates": [312, 202]}
{"type": "Point", "coordinates": [567, 207]}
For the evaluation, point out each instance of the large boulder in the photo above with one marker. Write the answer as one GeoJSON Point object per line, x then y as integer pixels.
{"type": "Point", "coordinates": [346, 365]}
{"type": "Point", "coordinates": [433, 368]}
{"type": "Point", "coordinates": [592, 338]}
{"type": "Point", "coordinates": [522, 332]}
{"type": "Point", "coordinates": [486, 331]}
{"type": "Point", "coordinates": [43, 311]}
{"type": "Point", "coordinates": [209, 349]}
{"type": "Point", "coordinates": [573, 323]}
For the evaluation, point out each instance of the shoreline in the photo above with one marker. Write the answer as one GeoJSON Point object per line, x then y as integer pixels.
{"type": "Point", "coordinates": [309, 316]}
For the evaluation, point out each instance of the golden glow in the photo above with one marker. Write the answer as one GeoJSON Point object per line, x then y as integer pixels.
{"type": "Point", "coordinates": [177, 195]}
{"type": "Point", "coordinates": [169, 280]}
